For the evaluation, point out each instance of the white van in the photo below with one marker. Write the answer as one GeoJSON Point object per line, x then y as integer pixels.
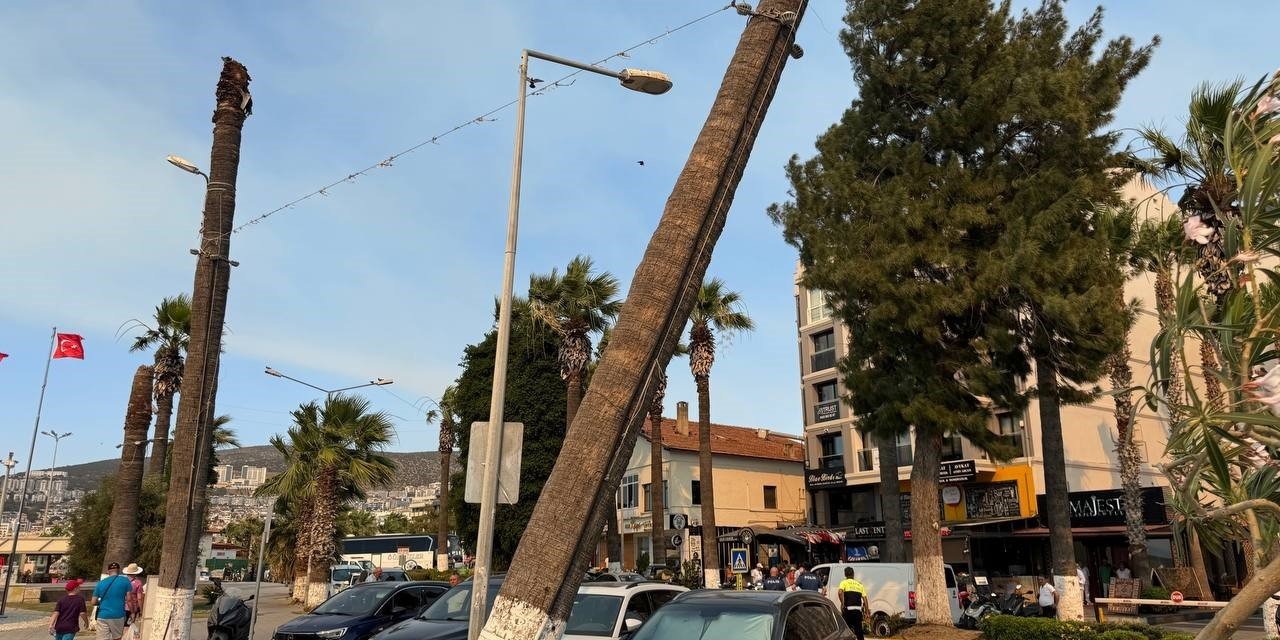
{"type": "Point", "coordinates": [891, 589]}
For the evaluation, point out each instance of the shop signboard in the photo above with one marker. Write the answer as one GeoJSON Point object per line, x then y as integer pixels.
{"type": "Point", "coordinates": [824, 478]}
{"type": "Point", "coordinates": [867, 531]}
{"type": "Point", "coordinates": [956, 471]}
{"type": "Point", "coordinates": [1106, 508]}
{"type": "Point", "coordinates": [995, 500]}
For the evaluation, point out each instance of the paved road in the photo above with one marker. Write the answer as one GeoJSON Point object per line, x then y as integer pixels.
{"type": "Point", "coordinates": [273, 607]}
{"type": "Point", "coordinates": [1251, 630]}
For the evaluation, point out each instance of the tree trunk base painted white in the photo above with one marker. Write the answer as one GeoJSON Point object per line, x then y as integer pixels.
{"type": "Point", "coordinates": [615, 567]}
{"type": "Point", "coordinates": [711, 578]}
{"type": "Point", "coordinates": [172, 607]}
{"type": "Point", "coordinates": [1070, 597]}
{"type": "Point", "coordinates": [299, 592]}
{"type": "Point", "coordinates": [317, 592]}
{"type": "Point", "coordinates": [515, 620]}
{"type": "Point", "coordinates": [442, 562]}
{"type": "Point", "coordinates": [1269, 610]}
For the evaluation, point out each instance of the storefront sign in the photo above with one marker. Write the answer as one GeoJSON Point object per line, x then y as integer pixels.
{"type": "Point", "coordinates": [951, 495]}
{"type": "Point", "coordinates": [826, 411]}
{"type": "Point", "coordinates": [824, 478]}
{"type": "Point", "coordinates": [956, 471]}
{"type": "Point", "coordinates": [996, 500]}
{"type": "Point", "coordinates": [1106, 508]}
{"type": "Point", "coordinates": [870, 531]}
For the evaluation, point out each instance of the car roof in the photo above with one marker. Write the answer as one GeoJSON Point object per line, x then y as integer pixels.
{"type": "Point", "coordinates": [745, 599]}
{"type": "Point", "coordinates": [614, 587]}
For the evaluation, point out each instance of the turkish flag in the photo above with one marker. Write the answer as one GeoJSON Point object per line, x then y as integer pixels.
{"type": "Point", "coordinates": [3, 356]}
{"type": "Point", "coordinates": [69, 346]}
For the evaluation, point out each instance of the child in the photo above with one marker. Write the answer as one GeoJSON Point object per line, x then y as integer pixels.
{"type": "Point", "coordinates": [69, 613]}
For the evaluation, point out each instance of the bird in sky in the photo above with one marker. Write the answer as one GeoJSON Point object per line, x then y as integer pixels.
{"type": "Point", "coordinates": [640, 162]}
{"type": "Point", "coordinates": [533, 82]}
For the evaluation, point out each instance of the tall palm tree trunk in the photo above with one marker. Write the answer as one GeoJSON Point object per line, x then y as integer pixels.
{"type": "Point", "coordinates": [302, 551]}
{"type": "Point", "coordinates": [894, 548]}
{"type": "Point", "coordinates": [1130, 459]}
{"type": "Point", "coordinates": [659, 300]}
{"type": "Point", "coordinates": [1057, 509]}
{"type": "Point", "coordinates": [710, 546]}
{"type": "Point", "coordinates": [160, 442]}
{"type": "Point", "coordinates": [573, 395]}
{"type": "Point", "coordinates": [442, 520]}
{"type": "Point", "coordinates": [322, 526]}
{"type": "Point", "coordinates": [657, 501]}
{"type": "Point", "coordinates": [175, 588]}
{"type": "Point", "coordinates": [123, 527]}
{"type": "Point", "coordinates": [932, 603]}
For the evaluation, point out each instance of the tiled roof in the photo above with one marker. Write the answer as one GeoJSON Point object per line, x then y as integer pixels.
{"type": "Point", "coordinates": [731, 441]}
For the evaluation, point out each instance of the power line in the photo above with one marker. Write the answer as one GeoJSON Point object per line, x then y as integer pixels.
{"type": "Point", "coordinates": [389, 161]}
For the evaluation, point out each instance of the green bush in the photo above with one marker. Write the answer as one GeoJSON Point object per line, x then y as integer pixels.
{"type": "Point", "coordinates": [642, 563]}
{"type": "Point", "coordinates": [1011, 628]}
{"type": "Point", "coordinates": [1176, 635]}
{"type": "Point", "coordinates": [424, 573]}
{"type": "Point", "coordinates": [1155, 593]}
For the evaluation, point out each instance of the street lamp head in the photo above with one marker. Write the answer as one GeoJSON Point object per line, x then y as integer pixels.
{"type": "Point", "coordinates": [272, 372]}
{"type": "Point", "coordinates": [184, 164]}
{"type": "Point", "coordinates": [645, 81]}
{"type": "Point", "coordinates": [381, 381]}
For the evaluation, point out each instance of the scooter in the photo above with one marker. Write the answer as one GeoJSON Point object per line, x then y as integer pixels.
{"type": "Point", "coordinates": [1030, 607]}
{"type": "Point", "coordinates": [229, 618]}
{"type": "Point", "coordinates": [979, 608]}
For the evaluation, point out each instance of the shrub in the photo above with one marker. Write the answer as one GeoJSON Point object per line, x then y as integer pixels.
{"type": "Point", "coordinates": [1122, 634]}
{"type": "Point", "coordinates": [1011, 628]}
{"type": "Point", "coordinates": [642, 563]}
{"type": "Point", "coordinates": [423, 573]}
{"type": "Point", "coordinates": [1176, 635]}
{"type": "Point", "coordinates": [1145, 632]}
{"type": "Point", "coordinates": [1155, 593]}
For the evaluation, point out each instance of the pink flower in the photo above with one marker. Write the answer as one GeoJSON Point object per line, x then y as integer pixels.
{"type": "Point", "coordinates": [1267, 104]}
{"type": "Point", "coordinates": [1196, 230]}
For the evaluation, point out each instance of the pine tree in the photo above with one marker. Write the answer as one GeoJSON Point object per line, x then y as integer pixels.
{"type": "Point", "coordinates": [927, 175]}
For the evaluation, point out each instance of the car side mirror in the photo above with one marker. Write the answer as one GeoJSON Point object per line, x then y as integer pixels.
{"type": "Point", "coordinates": [248, 599]}
{"type": "Point", "coordinates": [631, 624]}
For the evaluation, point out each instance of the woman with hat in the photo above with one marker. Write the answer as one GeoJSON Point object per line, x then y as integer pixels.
{"type": "Point", "coordinates": [69, 613]}
{"type": "Point", "coordinates": [135, 600]}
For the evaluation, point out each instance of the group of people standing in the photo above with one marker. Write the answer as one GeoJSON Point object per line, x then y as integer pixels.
{"type": "Point", "coordinates": [796, 578]}
{"type": "Point", "coordinates": [118, 601]}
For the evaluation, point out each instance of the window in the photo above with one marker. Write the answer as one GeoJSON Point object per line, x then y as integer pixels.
{"type": "Point", "coordinates": [906, 455]}
{"type": "Point", "coordinates": [662, 596]}
{"type": "Point", "coordinates": [952, 448]}
{"type": "Point", "coordinates": [639, 606]}
{"type": "Point", "coordinates": [810, 622]}
{"type": "Point", "coordinates": [824, 351]}
{"type": "Point", "coordinates": [828, 401]}
{"type": "Point", "coordinates": [1010, 426]}
{"type": "Point", "coordinates": [695, 488]}
{"type": "Point", "coordinates": [630, 492]}
{"type": "Point", "coordinates": [832, 451]}
{"type": "Point", "coordinates": [818, 307]}
{"type": "Point", "coordinates": [770, 497]}
{"type": "Point", "coordinates": [648, 497]}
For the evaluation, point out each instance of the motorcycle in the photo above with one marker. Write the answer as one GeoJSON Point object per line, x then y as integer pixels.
{"type": "Point", "coordinates": [978, 609]}
{"type": "Point", "coordinates": [229, 618]}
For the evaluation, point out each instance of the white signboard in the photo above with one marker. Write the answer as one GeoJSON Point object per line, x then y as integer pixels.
{"type": "Point", "coordinates": [509, 476]}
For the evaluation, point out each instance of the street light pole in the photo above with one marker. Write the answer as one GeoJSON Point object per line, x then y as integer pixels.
{"type": "Point", "coordinates": [651, 82]}
{"type": "Point", "coordinates": [48, 494]}
{"type": "Point", "coordinates": [8, 463]}
{"type": "Point", "coordinates": [329, 393]}
{"type": "Point", "coordinates": [262, 553]}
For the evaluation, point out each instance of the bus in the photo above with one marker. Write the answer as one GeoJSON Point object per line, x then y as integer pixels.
{"type": "Point", "coordinates": [397, 550]}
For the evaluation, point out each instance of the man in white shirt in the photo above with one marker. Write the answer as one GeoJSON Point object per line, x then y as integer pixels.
{"type": "Point", "coordinates": [1082, 574]}
{"type": "Point", "coordinates": [757, 574]}
{"type": "Point", "coordinates": [1048, 599]}
{"type": "Point", "coordinates": [1123, 572]}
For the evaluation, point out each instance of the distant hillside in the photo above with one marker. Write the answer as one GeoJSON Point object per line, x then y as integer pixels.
{"type": "Point", "coordinates": [417, 468]}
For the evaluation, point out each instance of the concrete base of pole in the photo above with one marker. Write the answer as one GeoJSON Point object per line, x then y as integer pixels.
{"type": "Point", "coordinates": [172, 608]}
{"type": "Point", "coordinates": [516, 620]}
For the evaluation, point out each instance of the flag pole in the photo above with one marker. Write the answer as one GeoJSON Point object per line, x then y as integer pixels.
{"type": "Point", "coordinates": [26, 478]}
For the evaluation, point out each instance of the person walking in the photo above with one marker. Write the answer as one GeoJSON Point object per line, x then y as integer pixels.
{"type": "Point", "coordinates": [109, 601]}
{"type": "Point", "coordinates": [757, 574]}
{"type": "Point", "coordinates": [774, 582]}
{"type": "Point", "coordinates": [852, 595]}
{"type": "Point", "coordinates": [1104, 577]}
{"type": "Point", "coordinates": [1082, 574]}
{"type": "Point", "coordinates": [1048, 599]}
{"type": "Point", "coordinates": [1123, 573]}
{"type": "Point", "coordinates": [136, 599]}
{"type": "Point", "coordinates": [69, 613]}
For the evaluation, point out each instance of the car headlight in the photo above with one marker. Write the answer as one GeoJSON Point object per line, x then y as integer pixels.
{"type": "Point", "coordinates": [332, 633]}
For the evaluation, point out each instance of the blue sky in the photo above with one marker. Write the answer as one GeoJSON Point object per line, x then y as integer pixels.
{"type": "Point", "coordinates": [393, 274]}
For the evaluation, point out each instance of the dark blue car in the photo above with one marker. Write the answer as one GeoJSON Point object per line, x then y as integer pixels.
{"type": "Point", "coordinates": [359, 611]}
{"type": "Point", "coordinates": [446, 619]}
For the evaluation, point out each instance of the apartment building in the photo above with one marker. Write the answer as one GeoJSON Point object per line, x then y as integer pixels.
{"type": "Point", "coordinates": [992, 511]}
{"type": "Point", "coordinates": [759, 481]}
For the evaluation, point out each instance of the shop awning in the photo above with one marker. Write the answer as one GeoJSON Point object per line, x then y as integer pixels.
{"type": "Point", "coordinates": [763, 535]}
{"type": "Point", "coordinates": [1091, 532]}
{"type": "Point", "coordinates": [983, 522]}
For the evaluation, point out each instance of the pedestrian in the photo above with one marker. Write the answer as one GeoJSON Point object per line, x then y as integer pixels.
{"type": "Point", "coordinates": [109, 601]}
{"type": "Point", "coordinates": [69, 613]}
{"type": "Point", "coordinates": [1048, 599]}
{"type": "Point", "coordinates": [808, 580]}
{"type": "Point", "coordinates": [136, 599]}
{"type": "Point", "coordinates": [375, 576]}
{"type": "Point", "coordinates": [1082, 574]}
{"type": "Point", "coordinates": [757, 574]}
{"type": "Point", "coordinates": [1104, 576]}
{"type": "Point", "coordinates": [852, 595]}
{"type": "Point", "coordinates": [1123, 572]}
{"type": "Point", "coordinates": [791, 577]}
{"type": "Point", "coordinates": [774, 582]}
{"type": "Point", "coordinates": [454, 579]}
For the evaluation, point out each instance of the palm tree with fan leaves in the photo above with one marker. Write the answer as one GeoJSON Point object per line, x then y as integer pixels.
{"type": "Point", "coordinates": [716, 311]}
{"type": "Point", "coordinates": [168, 337]}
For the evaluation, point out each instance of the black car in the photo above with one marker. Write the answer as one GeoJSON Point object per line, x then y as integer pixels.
{"type": "Point", "coordinates": [357, 612]}
{"type": "Point", "coordinates": [446, 619]}
{"type": "Point", "coordinates": [746, 615]}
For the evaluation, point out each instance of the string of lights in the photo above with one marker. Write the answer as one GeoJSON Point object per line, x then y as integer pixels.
{"type": "Point", "coordinates": [390, 160]}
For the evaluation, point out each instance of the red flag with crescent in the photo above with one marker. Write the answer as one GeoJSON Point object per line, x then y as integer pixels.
{"type": "Point", "coordinates": [69, 346]}
{"type": "Point", "coordinates": [3, 356]}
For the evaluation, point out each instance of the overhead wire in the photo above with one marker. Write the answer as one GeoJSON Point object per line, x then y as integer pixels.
{"type": "Point", "coordinates": [389, 161]}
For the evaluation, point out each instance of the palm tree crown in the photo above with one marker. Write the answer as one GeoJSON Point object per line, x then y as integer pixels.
{"type": "Point", "coordinates": [574, 306]}
{"type": "Point", "coordinates": [717, 310]}
{"type": "Point", "coordinates": [169, 337]}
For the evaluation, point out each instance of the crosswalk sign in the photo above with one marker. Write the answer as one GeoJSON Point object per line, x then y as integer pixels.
{"type": "Point", "coordinates": [738, 560]}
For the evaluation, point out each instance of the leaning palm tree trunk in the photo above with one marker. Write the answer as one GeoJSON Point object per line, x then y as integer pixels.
{"type": "Point", "coordinates": [657, 499]}
{"type": "Point", "coordinates": [160, 448]}
{"type": "Point", "coordinates": [659, 300]}
{"type": "Point", "coordinates": [176, 586]}
{"type": "Point", "coordinates": [123, 527]}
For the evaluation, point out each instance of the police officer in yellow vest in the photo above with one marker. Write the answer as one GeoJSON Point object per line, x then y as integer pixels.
{"type": "Point", "coordinates": [853, 597]}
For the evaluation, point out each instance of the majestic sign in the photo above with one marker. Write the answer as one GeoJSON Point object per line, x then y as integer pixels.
{"type": "Point", "coordinates": [996, 500]}
{"type": "Point", "coordinates": [826, 411]}
{"type": "Point", "coordinates": [1106, 508]}
{"type": "Point", "coordinates": [824, 478]}
{"type": "Point", "coordinates": [956, 471]}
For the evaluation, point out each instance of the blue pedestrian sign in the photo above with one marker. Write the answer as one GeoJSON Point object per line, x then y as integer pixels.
{"type": "Point", "coordinates": [738, 560]}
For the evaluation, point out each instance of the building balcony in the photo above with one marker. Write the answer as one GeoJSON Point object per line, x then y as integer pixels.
{"type": "Point", "coordinates": [866, 459]}
{"type": "Point", "coordinates": [822, 360]}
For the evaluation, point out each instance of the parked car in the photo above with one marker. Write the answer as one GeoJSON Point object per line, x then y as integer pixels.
{"type": "Point", "coordinates": [394, 575]}
{"type": "Point", "coordinates": [359, 611]}
{"type": "Point", "coordinates": [621, 576]}
{"type": "Point", "coordinates": [891, 590]}
{"type": "Point", "coordinates": [615, 609]}
{"type": "Point", "coordinates": [445, 619]}
{"type": "Point", "coordinates": [746, 615]}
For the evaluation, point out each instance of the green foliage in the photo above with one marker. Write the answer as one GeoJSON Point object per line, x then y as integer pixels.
{"type": "Point", "coordinates": [394, 523]}
{"type": "Point", "coordinates": [356, 522]}
{"type": "Point", "coordinates": [690, 575]}
{"type": "Point", "coordinates": [245, 533]}
{"type": "Point", "coordinates": [642, 562]}
{"type": "Point", "coordinates": [535, 396]}
{"type": "Point", "coordinates": [1156, 593]}
{"type": "Point", "coordinates": [1014, 628]}
{"type": "Point", "coordinates": [426, 573]}
{"type": "Point", "coordinates": [88, 528]}
{"type": "Point", "coordinates": [1121, 634]}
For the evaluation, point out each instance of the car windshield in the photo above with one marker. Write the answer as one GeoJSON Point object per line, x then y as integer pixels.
{"type": "Point", "coordinates": [630, 577]}
{"type": "Point", "coordinates": [455, 604]}
{"type": "Point", "coordinates": [356, 601]}
{"type": "Point", "coordinates": [342, 575]}
{"type": "Point", "coordinates": [593, 615]}
{"type": "Point", "coordinates": [691, 623]}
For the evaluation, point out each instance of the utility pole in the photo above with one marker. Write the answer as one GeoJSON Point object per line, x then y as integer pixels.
{"type": "Point", "coordinates": [49, 479]}
{"type": "Point", "coordinates": [184, 511]}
